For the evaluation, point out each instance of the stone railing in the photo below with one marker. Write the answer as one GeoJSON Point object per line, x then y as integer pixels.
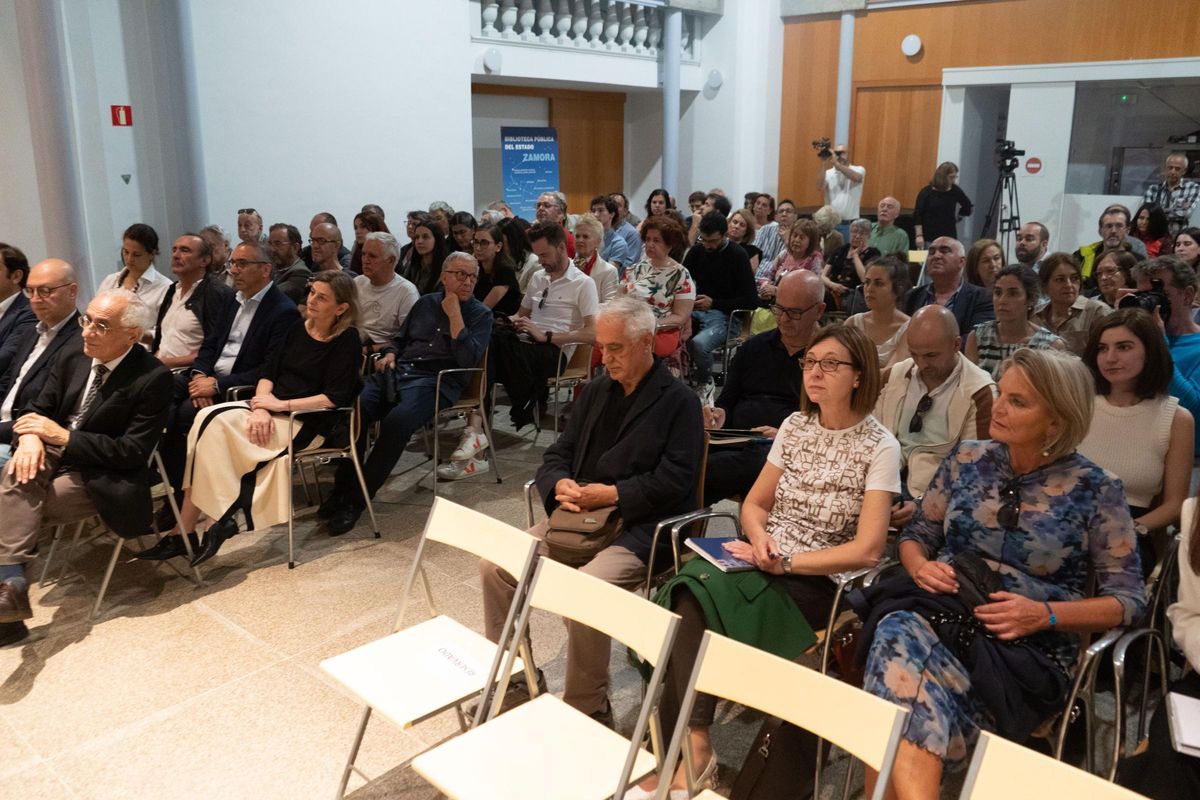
{"type": "Point", "coordinates": [626, 28]}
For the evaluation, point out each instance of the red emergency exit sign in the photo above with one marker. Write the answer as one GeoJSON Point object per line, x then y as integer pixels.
{"type": "Point", "coordinates": [122, 116]}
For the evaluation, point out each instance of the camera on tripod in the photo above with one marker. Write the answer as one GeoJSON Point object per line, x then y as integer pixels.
{"type": "Point", "coordinates": [1006, 155]}
{"type": "Point", "coordinates": [822, 147]}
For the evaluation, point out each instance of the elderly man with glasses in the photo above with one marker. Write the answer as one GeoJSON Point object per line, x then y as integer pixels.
{"type": "Point", "coordinates": [82, 444]}
{"type": "Point", "coordinates": [762, 387]}
{"type": "Point", "coordinates": [445, 329]}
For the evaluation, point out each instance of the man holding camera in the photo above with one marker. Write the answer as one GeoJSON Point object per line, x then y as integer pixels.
{"type": "Point", "coordinates": [1183, 334]}
{"type": "Point", "coordinates": [841, 182]}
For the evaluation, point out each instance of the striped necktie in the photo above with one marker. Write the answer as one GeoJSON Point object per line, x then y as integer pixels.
{"type": "Point", "coordinates": [93, 391]}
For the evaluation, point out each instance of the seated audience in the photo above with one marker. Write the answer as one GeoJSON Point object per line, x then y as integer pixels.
{"type": "Point", "coordinates": [625, 224]}
{"type": "Point", "coordinates": [724, 283]}
{"type": "Point", "coordinates": [1150, 227]}
{"type": "Point", "coordinates": [429, 251]}
{"type": "Point", "coordinates": [588, 259]}
{"type": "Point", "coordinates": [931, 401]}
{"type": "Point", "coordinates": [497, 287]}
{"type": "Point", "coordinates": [52, 292]}
{"type": "Point", "coordinates": [1033, 241]}
{"type": "Point", "coordinates": [1114, 235]}
{"type": "Point", "coordinates": [82, 444]}
{"type": "Point", "coordinates": [558, 310]}
{"type": "Point", "coordinates": [614, 250]}
{"type": "Point", "coordinates": [713, 201]}
{"type": "Point", "coordinates": [364, 222]}
{"type": "Point", "coordinates": [384, 298]}
{"type": "Point", "coordinates": [517, 246]}
{"type": "Point", "coordinates": [971, 304]}
{"type": "Point", "coordinates": [1014, 296]}
{"type": "Point", "coordinates": [803, 252]}
{"type": "Point", "coordinates": [886, 236]}
{"type": "Point", "coordinates": [695, 201]}
{"type": "Point", "coordinates": [237, 452]}
{"type": "Point", "coordinates": [440, 212]}
{"type": "Point", "coordinates": [321, 217]}
{"type": "Point", "coordinates": [984, 260]}
{"type": "Point", "coordinates": [1114, 273]}
{"type": "Point", "coordinates": [1187, 247]}
{"type": "Point", "coordinates": [635, 442]}
{"type": "Point", "coordinates": [666, 285]}
{"type": "Point", "coordinates": [1131, 365]}
{"type": "Point", "coordinates": [1068, 314]}
{"type": "Point", "coordinates": [446, 329]}
{"type": "Point", "coordinates": [819, 507]}
{"type": "Point", "coordinates": [290, 274]}
{"type": "Point", "coordinates": [326, 241]}
{"type": "Point", "coordinates": [884, 324]}
{"type": "Point", "coordinates": [16, 316]}
{"type": "Point", "coordinates": [847, 267]}
{"type": "Point", "coordinates": [1041, 520]}
{"type": "Point", "coordinates": [218, 242]}
{"type": "Point", "coordinates": [410, 227]}
{"type": "Point", "coordinates": [740, 230]}
{"type": "Point", "coordinates": [372, 208]}
{"type": "Point", "coordinates": [138, 275]}
{"type": "Point", "coordinates": [462, 231]}
{"type": "Point", "coordinates": [192, 305]}
{"type": "Point", "coordinates": [552, 207]}
{"type": "Point", "coordinates": [1183, 333]}
{"type": "Point", "coordinates": [774, 225]}
{"type": "Point", "coordinates": [249, 225]}
{"type": "Point", "coordinates": [940, 205]}
{"type": "Point", "coordinates": [762, 387]}
{"type": "Point", "coordinates": [828, 220]}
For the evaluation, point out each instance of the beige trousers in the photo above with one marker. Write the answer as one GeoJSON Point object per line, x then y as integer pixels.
{"type": "Point", "coordinates": [51, 498]}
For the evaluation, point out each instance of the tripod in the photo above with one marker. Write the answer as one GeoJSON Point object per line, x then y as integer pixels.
{"type": "Point", "coordinates": [1004, 197]}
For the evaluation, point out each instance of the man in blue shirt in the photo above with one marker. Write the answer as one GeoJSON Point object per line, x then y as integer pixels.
{"type": "Point", "coordinates": [623, 223]}
{"type": "Point", "coordinates": [614, 250]}
{"type": "Point", "coordinates": [1183, 334]}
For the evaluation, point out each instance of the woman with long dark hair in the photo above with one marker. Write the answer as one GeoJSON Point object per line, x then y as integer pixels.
{"type": "Point", "coordinates": [429, 251]}
{"type": "Point", "coordinates": [1150, 226]}
{"type": "Point", "coordinates": [364, 222]}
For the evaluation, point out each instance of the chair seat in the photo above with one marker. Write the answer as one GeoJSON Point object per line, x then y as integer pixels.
{"type": "Point", "coordinates": [708, 794]}
{"type": "Point", "coordinates": [543, 748]}
{"type": "Point", "coordinates": [404, 676]}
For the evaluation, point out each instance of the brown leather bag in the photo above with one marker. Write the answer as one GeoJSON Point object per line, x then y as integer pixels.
{"type": "Point", "coordinates": [575, 537]}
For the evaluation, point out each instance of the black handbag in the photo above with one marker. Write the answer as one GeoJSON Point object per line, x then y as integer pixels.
{"type": "Point", "coordinates": [780, 764]}
{"type": "Point", "coordinates": [976, 580]}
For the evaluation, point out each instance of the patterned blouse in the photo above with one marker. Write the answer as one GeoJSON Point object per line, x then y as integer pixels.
{"type": "Point", "coordinates": [786, 263]}
{"type": "Point", "coordinates": [1073, 516]}
{"type": "Point", "coordinates": [992, 351]}
{"type": "Point", "coordinates": [660, 286]}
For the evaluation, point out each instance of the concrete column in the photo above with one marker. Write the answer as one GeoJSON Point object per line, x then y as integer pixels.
{"type": "Point", "coordinates": [841, 128]}
{"type": "Point", "coordinates": [672, 47]}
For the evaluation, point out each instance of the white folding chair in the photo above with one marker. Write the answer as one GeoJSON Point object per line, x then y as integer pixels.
{"type": "Point", "coordinates": [866, 726]}
{"type": "Point", "coordinates": [1002, 770]}
{"type": "Point", "coordinates": [545, 748]}
{"type": "Point", "coordinates": [407, 676]}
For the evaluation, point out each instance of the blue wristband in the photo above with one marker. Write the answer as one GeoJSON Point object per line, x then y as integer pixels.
{"type": "Point", "coordinates": [1050, 611]}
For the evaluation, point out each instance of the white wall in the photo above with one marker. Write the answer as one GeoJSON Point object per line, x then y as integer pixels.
{"type": "Point", "coordinates": [20, 212]}
{"type": "Point", "coordinates": [1039, 122]}
{"type": "Point", "coordinates": [490, 113]}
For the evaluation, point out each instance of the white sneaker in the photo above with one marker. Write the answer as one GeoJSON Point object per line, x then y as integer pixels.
{"type": "Point", "coordinates": [469, 446]}
{"type": "Point", "coordinates": [456, 470]}
{"type": "Point", "coordinates": [707, 392]}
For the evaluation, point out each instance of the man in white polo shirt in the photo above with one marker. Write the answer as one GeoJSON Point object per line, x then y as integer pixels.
{"type": "Point", "coordinates": [559, 309]}
{"type": "Point", "coordinates": [384, 298]}
{"type": "Point", "coordinates": [842, 183]}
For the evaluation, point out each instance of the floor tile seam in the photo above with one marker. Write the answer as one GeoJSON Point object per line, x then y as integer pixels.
{"type": "Point", "coordinates": [37, 758]}
{"type": "Point", "coordinates": [204, 608]}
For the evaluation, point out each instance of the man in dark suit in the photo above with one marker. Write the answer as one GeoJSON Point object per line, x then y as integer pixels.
{"type": "Point", "coordinates": [971, 304]}
{"type": "Point", "coordinates": [635, 440]}
{"type": "Point", "coordinates": [53, 293]}
{"type": "Point", "coordinates": [83, 444]}
{"type": "Point", "coordinates": [15, 314]}
{"type": "Point", "coordinates": [234, 353]}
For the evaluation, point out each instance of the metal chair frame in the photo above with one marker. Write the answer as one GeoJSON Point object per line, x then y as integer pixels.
{"type": "Point", "coordinates": [576, 370]}
{"type": "Point", "coordinates": [739, 318]}
{"type": "Point", "coordinates": [474, 398]}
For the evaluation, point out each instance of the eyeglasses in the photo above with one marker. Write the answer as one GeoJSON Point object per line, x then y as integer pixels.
{"type": "Point", "coordinates": [791, 313]}
{"type": "Point", "coordinates": [247, 211]}
{"type": "Point", "coordinates": [101, 327]}
{"type": "Point", "coordinates": [918, 420]}
{"type": "Point", "coordinates": [44, 291]}
{"type": "Point", "coordinates": [828, 365]}
{"type": "Point", "coordinates": [319, 242]}
{"type": "Point", "coordinates": [1010, 508]}
{"type": "Point", "coordinates": [462, 275]}
{"type": "Point", "coordinates": [242, 263]}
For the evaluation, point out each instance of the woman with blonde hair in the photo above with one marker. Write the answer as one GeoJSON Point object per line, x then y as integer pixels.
{"type": "Point", "coordinates": [741, 232]}
{"type": "Point", "coordinates": [827, 219]}
{"type": "Point", "coordinates": [940, 205]}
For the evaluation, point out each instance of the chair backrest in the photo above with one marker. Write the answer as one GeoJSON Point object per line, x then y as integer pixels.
{"type": "Point", "coordinates": [1002, 770]}
{"type": "Point", "coordinates": [629, 618]}
{"type": "Point", "coordinates": [865, 725]}
{"type": "Point", "coordinates": [479, 534]}
{"type": "Point", "coordinates": [580, 362]}
{"type": "Point", "coordinates": [473, 394]}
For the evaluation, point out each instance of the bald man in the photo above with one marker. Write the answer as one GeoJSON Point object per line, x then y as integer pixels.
{"type": "Point", "coordinates": [53, 294]}
{"type": "Point", "coordinates": [326, 241]}
{"type": "Point", "coordinates": [885, 236]}
{"type": "Point", "coordinates": [944, 265]}
{"type": "Point", "coordinates": [931, 401]}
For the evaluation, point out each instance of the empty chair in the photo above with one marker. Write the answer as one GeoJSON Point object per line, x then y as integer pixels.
{"type": "Point", "coordinates": [1002, 770]}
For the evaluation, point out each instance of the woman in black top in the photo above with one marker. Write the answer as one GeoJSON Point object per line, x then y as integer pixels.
{"type": "Point", "coordinates": [497, 285]}
{"type": "Point", "coordinates": [847, 267]}
{"type": "Point", "coordinates": [237, 452]}
{"type": "Point", "coordinates": [364, 222]}
{"type": "Point", "coordinates": [940, 205]}
{"type": "Point", "coordinates": [428, 253]}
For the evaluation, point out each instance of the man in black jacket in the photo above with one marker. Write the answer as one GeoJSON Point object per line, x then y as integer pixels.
{"type": "Point", "coordinates": [83, 444]}
{"type": "Point", "coordinates": [53, 292]}
{"type": "Point", "coordinates": [636, 441]}
{"type": "Point", "coordinates": [15, 314]}
{"type": "Point", "coordinates": [724, 283]}
{"type": "Point", "coordinates": [192, 306]}
{"type": "Point", "coordinates": [971, 304]}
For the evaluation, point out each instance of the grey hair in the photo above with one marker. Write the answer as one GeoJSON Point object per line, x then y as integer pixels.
{"type": "Point", "coordinates": [218, 230]}
{"type": "Point", "coordinates": [459, 255]}
{"type": "Point", "coordinates": [391, 247]}
{"type": "Point", "coordinates": [861, 224]}
{"type": "Point", "coordinates": [490, 216]}
{"type": "Point", "coordinates": [637, 317]}
{"type": "Point", "coordinates": [137, 313]}
{"type": "Point", "coordinates": [559, 198]}
{"type": "Point", "coordinates": [441, 205]}
{"type": "Point", "coordinates": [262, 250]}
{"type": "Point", "coordinates": [589, 220]}
{"type": "Point", "coordinates": [1182, 276]}
{"type": "Point", "coordinates": [827, 218]}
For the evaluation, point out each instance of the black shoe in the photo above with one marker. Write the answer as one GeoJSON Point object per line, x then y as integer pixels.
{"type": "Point", "coordinates": [14, 603]}
{"type": "Point", "coordinates": [331, 505]}
{"type": "Point", "coordinates": [216, 535]}
{"type": "Point", "coordinates": [344, 519]}
{"type": "Point", "coordinates": [170, 546]}
{"type": "Point", "coordinates": [12, 632]}
{"type": "Point", "coordinates": [164, 520]}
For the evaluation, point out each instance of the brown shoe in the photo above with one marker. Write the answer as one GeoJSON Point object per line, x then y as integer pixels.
{"type": "Point", "coordinates": [14, 603]}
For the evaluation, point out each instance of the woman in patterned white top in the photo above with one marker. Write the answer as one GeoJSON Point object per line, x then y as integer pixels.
{"type": "Point", "coordinates": [667, 286]}
{"type": "Point", "coordinates": [819, 507]}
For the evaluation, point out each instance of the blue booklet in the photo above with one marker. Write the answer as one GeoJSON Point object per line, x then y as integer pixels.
{"type": "Point", "coordinates": [714, 551]}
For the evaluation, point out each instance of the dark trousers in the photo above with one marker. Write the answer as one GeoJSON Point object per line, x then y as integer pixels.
{"type": "Point", "coordinates": [523, 368]}
{"type": "Point", "coordinates": [414, 407]}
{"type": "Point", "coordinates": [173, 447]}
{"type": "Point", "coordinates": [732, 469]}
{"type": "Point", "coordinates": [1161, 772]}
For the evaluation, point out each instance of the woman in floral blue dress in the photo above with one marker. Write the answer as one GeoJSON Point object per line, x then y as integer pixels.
{"type": "Point", "coordinates": [1042, 516]}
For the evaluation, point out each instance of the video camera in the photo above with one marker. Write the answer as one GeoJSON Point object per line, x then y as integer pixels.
{"type": "Point", "coordinates": [1006, 155]}
{"type": "Point", "coordinates": [822, 147]}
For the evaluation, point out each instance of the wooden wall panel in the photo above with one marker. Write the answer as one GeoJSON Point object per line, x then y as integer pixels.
{"type": "Point", "coordinates": [895, 150]}
{"type": "Point", "coordinates": [591, 138]}
{"type": "Point", "coordinates": [978, 34]}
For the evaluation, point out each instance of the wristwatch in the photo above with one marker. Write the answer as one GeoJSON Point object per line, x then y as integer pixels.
{"type": "Point", "coordinates": [549, 337]}
{"type": "Point", "coordinates": [787, 564]}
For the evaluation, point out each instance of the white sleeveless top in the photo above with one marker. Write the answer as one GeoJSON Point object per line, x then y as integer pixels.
{"type": "Point", "coordinates": [1114, 429]}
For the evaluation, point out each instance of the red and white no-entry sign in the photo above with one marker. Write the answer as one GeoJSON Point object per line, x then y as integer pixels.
{"type": "Point", "coordinates": [1033, 165]}
{"type": "Point", "coordinates": [122, 116]}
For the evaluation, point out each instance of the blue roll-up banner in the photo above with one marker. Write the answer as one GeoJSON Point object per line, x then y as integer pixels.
{"type": "Point", "coordinates": [529, 158]}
